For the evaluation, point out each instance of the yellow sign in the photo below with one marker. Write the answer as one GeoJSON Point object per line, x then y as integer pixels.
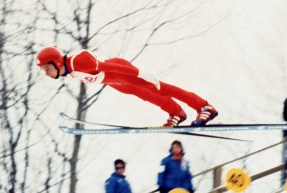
{"type": "Point", "coordinates": [178, 190]}
{"type": "Point", "coordinates": [285, 186]}
{"type": "Point", "coordinates": [237, 180]}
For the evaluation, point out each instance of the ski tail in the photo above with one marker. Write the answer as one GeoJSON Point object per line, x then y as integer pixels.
{"type": "Point", "coordinates": [212, 136]}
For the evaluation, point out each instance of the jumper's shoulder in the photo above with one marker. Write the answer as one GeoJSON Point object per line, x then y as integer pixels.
{"type": "Point", "coordinates": [84, 61]}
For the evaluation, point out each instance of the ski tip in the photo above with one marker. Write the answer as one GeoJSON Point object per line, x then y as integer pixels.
{"type": "Point", "coordinates": [62, 114]}
{"type": "Point", "coordinates": [63, 128]}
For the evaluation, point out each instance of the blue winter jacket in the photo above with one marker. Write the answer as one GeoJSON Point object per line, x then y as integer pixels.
{"type": "Point", "coordinates": [174, 174]}
{"type": "Point", "coordinates": [117, 184]}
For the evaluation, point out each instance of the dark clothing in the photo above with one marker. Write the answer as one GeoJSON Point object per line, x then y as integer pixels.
{"type": "Point", "coordinates": [175, 174]}
{"type": "Point", "coordinates": [117, 184]}
{"type": "Point", "coordinates": [285, 110]}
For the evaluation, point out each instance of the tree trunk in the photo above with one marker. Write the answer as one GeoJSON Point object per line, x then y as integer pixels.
{"type": "Point", "coordinates": [77, 141]}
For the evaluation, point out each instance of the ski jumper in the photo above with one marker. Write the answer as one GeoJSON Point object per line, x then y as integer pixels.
{"type": "Point", "coordinates": [126, 78]}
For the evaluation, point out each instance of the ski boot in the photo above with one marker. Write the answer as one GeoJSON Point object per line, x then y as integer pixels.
{"type": "Point", "coordinates": [207, 113]}
{"type": "Point", "coordinates": [174, 120]}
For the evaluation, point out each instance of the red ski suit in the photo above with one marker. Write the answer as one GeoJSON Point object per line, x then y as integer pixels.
{"type": "Point", "coordinates": [126, 78]}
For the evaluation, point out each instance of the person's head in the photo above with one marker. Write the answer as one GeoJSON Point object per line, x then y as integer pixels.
{"type": "Point", "coordinates": [120, 166]}
{"type": "Point", "coordinates": [176, 148]}
{"type": "Point", "coordinates": [51, 60]}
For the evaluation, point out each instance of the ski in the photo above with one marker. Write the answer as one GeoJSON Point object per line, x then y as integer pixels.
{"type": "Point", "coordinates": [209, 136]}
{"type": "Point", "coordinates": [69, 118]}
{"type": "Point", "coordinates": [176, 129]}
{"type": "Point", "coordinates": [75, 132]}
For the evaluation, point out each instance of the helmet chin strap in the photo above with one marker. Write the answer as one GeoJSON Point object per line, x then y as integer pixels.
{"type": "Point", "coordinates": [58, 70]}
{"type": "Point", "coordinates": [58, 74]}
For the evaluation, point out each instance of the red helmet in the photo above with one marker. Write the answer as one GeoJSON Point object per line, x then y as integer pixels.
{"type": "Point", "coordinates": [50, 55]}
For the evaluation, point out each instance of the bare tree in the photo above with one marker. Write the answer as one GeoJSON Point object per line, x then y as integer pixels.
{"type": "Point", "coordinates": [82, 37]}
{"type": "Point", "coordinates": [15, 102]}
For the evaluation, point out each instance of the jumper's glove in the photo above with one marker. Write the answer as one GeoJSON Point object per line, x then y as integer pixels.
{"type": "Point", "coordinates": [149, 78]}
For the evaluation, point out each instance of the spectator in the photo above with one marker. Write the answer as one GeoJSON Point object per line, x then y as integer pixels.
{"type": "Point", "coordinates": [175, 170]}
{"type": "Point", "coordinates": [117, 182]}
